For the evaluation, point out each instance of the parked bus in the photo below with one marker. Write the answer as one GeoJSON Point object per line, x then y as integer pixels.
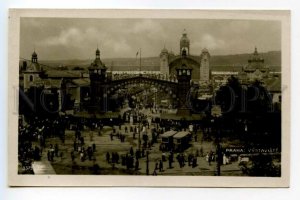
{"type": "Point", "coordinates": [167, 140]}
{"type": "Point", "coordinates": [181, 140]}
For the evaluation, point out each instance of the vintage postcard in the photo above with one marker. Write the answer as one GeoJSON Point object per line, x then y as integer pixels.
{"type": "Point", "coordinates": [174, 98]}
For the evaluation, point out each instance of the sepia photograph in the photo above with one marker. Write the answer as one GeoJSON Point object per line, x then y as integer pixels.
{"type": "Point", "coordinates": [199, 95]}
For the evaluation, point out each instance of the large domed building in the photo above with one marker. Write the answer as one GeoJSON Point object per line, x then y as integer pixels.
{"type": "Point", "coordinates": [256, 69]}
{"type": "Point", "coordinates": [199, 63]}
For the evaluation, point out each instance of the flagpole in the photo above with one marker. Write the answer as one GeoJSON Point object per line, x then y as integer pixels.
{"type": "Point", "coordinates": [140, 61]}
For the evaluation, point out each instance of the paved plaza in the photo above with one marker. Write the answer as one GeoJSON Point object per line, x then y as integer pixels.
{"type": "Point", "coordinates": [63, 164]}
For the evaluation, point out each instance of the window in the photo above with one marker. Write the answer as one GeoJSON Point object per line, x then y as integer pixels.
{"type": "Point", "coordinates": [279, 98]}
{"type": "Point", "coordinates": [30, 78]}
{"type": "Point", "coordinates": [184, 53]}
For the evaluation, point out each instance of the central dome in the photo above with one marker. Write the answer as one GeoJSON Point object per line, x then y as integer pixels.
{"type": "Point", "coordinates": [97, 51]}
{"type": "Point", "coordinates": [34, 54]}
{"type": "Point", "coordinates": [164, 50]}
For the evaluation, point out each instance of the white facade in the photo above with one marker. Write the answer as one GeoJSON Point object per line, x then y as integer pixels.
{"type": "Point", "coordinates": [164, 63]}
{"type": "Point", "coordinates": [29, 79]}
{"type": "Point", "coordinates": [204, 66]}
{"type": "Point", "coordinates": [32, 72]}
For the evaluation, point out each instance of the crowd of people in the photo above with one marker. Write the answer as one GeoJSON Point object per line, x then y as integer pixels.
{"type": "Point", "coordinates": [34, 133]}
{"type": "Point", "coordinates": [32, 136]}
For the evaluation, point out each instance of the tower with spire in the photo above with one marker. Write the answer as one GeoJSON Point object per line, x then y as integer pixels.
{"type": "Point", "coordinates": [32, 72]}
{"type": "Point", "coordinates": [164, 61]}
{"type": "Point", "coordinates": [184, 44]}
{"type": "Point", "coordinates": [97, 53]}
{"type": "Point", "coordinates": [204, 66]}
{"type": "Point", "coordinates": [199, 63]}
{"type": "Point", "coordinates": [98, 76]}
{"type": "Point", "coordinates": [256, 68]}
{"type": "Point", "coordinates": [97, 69]}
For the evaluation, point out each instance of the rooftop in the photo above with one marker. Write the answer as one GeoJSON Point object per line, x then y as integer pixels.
{"type": "Point", "coordinates": [168, 134]}
{"type": "Point", "coordinates": [181, 134]}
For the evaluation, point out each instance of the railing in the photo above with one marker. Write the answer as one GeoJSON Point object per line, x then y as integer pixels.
{"type": "Point", "coordinates": [158, 76]}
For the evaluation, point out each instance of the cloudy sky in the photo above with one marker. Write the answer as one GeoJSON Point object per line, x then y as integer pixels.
{"type": "Point", "coordinates": [62, 38]}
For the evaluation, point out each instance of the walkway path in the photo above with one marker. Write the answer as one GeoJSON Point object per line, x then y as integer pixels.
{"type": "Point", "coordinates": [42, 167]}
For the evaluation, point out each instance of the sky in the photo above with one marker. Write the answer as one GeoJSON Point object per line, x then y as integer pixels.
{"type": "Point", "coordinates": [69, 38]}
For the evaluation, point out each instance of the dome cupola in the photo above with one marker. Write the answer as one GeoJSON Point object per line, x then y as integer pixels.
{"type": "Point", "coordinates": [184, 43]}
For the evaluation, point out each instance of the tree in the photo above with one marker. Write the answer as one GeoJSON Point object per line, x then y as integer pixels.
{"type": "Point", "coordinates": [261, 165]}
{"type": "Point", "coordinates": [229, 95]}
{"type": "Point", "coordinates": [248, 113]}
{"type": "Point", "coordinates": [78, 68]}
{"type": "Point", "coordinates": [38, 101]}
{"type": "Point", "coordinates": [259, 99]}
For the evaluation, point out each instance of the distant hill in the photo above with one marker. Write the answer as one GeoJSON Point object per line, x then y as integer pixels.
{"type": "Point", "coordinates": [272, 59]}
{"type": "Point", "coordinates": [218, 62]}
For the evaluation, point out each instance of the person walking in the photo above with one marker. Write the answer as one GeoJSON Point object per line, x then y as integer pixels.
{"type": "Point", "coordinates": [190, 157]}
{"type": "Point", "coordinates": [81, 156]}
{"type": "Point", "coordinates": [207, 157]}
{"type": "Point", "coordinates": [107, 157]}
{"type": "Point", "coordinates": [94, 147]}
{"type": "Point", "coordinates": [163, 157]}
{"type": "Point", "coordinates": [75, 145]}
{"type": "Point", "coordinates": [49, 155]}
{"type": "Point", "coordinates": [137, 164]}
{"type": "Point", "coordinates": [170, 161]}
{"type": "Point", "coordinates": [161, 166]}
{"type": "Point", "coordinates": [91, 135]}
{"type": "Point", "coordinates": [56, 150]}
{"type": "Point", "coordinates": [155, 168]}
{"type": "Point", "coordinates": [72, 155]}
{"type": "Point", "coordinates": [131, 151]}
{"type": "Point", "coordinates": [52, 153]}
{"type": "Point", "coordinates": [117, 157]}
{"type": "Point", "coordinates": [194, 162]}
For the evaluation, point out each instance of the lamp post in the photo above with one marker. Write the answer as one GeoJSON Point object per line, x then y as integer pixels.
{"type": "Point", "coordinates": [139, 132]}
{"type": "Point", "coordinates": [246, 133]}
{"type": "Point", "coordinates": [217, 114]}
{"type": "Point", "coordinates": [147, 162]}
{"type": "Point", "coordinates": [219, 148]}
{"type": "Point", "coordinates": [139, 119]}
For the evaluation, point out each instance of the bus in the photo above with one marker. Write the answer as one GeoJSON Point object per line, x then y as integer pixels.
{"type": "Point", "coordinates": [181, 140]}
{"type": "Point", "coordinates": [167, 140]}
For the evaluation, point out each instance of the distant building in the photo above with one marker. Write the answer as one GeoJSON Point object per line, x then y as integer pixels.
{"type": "Point", "coordinates": [204, 66]}
{"type": "Point", "coordinates": [184, 44]}
{"type": "Point", "coordinates": [256, 68]}
{"type": "Point", "coordinates": [47, 90]}
{"type": "Point", "coordinates": [31, 73]}
{"type": "Point", "coordinates": [273, 85]}
{"type": "Point", "coordinates": [164, 62]}
{"type": "Point", "coordinates": [98, 75]}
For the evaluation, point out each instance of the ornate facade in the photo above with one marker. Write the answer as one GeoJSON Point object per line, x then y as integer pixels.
{"type": "Point", "coordinates": [204, 66]}
{"type": "Point", "coordinates": [97, 74]}
{"type": "Point", "coordinates": [199, 64]}
{"type": "Point", "coordinates": [32, 72]}
{"type": "Point", "coordinates": [256, 68]}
